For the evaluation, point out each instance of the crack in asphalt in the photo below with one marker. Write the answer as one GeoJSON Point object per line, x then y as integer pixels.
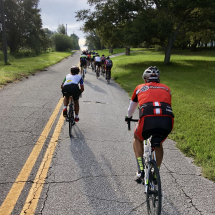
{"type": "Point", "coordinates": [134, 209]}
{"type": "Point", "coordinates": [180, 187]}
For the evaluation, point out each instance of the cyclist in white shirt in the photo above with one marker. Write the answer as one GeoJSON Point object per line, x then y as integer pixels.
{"type": "Point", "coordinates": [70, 88]}
{"type": "Point", "coordinates": [98, 61]}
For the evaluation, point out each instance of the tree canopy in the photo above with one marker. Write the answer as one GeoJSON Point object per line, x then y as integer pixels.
{"type": "Point", "coordinates": [159, 22]}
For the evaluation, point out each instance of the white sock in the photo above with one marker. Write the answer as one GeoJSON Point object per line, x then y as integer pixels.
{"type": "Point", "coordinates": [76, 116]}
{"type": "Point", "coordinates": [65, 106]}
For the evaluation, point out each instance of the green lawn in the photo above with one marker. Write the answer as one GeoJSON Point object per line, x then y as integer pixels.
{"type": "Point", "coordinates": [115, 51]}
{"type": "Point", "coordinates": [191, 78]}
{"type": "Point", "coordinates": [24, 66]}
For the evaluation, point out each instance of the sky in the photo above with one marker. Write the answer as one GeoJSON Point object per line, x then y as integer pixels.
{"type": "Point", "coordinates": [55, 12]}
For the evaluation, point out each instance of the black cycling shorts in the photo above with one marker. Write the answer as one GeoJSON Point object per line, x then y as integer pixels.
{"type": "Point", "coordinates": [108, 68]}
{"type": "Point", "coordinates": [72, 90]}
{"type": "Point", "coordinates": [149, 125]}
{"type": "Point", "coordinates": [98, 63]}
{"type": "Point", "coordinates": [83, 64]}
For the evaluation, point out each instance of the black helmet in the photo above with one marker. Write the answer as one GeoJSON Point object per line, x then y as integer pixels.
{"type": "Point", "coordinates": [74, 69]}
{"type": "Point", "coordinates": [108, 57]}
{"type": "Point", "coordinates": [103, 55]}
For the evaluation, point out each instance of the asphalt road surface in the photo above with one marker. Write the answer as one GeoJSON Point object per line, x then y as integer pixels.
{"type": "Point", "coordinates": [44, 171]}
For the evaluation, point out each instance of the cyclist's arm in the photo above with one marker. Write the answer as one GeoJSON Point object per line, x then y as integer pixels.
{"type": "Point", "coordinates": [81, 84]}
{"type": "Point", "coordinates": [82, 88]}
{"type": "Point", "coordinates": [132, 107]}
{"type": "Point", "coordinates": [63, 83]}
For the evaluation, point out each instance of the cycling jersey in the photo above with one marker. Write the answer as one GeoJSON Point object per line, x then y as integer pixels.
{"type": "Point", "coordinates": [103, 60]}
{"type": "Point", "coordinates": [97, 59]}
{"type": "Point", "coordinates": [83, 58]}
{"type": "Point", "coordinates": [151, 92]}
{"type": "Point", "coordinates": [73, 79]}
{"type": "Point", "coordinates": [154, 101]}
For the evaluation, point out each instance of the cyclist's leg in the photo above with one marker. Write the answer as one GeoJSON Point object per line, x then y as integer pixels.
{"type": "Point", "coordinates": [81, 68]}
{"type": "Point", "coordinates": [66, 101]}
{"type": "Point", "coordinates": [99, 66]}
{"type": "Point", "coordinates": [138, 146]}
{"type": "Point", "coordinates": [76, 106]}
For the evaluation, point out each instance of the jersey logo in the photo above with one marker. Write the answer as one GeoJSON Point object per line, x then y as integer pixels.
{"type": "Point", "coordinates": [68, 81]}
{"type": "Point", "coordinates": [143, 89]}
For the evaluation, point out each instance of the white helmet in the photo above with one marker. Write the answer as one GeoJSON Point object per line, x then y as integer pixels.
{"type": "Point", "coordinates": [152, 70]}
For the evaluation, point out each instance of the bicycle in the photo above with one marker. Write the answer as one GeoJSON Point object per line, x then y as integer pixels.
{"type": "Point", "coordinates": [151, 180]}
{"type": "Point", "coordinates": [103, 70]}
{"type": "Point", "coordinates": [70, 116]}
{"type": "Point", "coordinates": [88, 63]}
{"type": "Point", "coordinates": [97, 71]}
{"type": "Point", "coordinates": [92, 66]}
{"type": "Point", "coordinates": [108, 75]}
{"type": "Point", "coordinates": [83, 72]}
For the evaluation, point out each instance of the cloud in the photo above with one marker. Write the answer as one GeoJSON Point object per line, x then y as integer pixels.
{"type": "Point", "coordinates": [55, 12]}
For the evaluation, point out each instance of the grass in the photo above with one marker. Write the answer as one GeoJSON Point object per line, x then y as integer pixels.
{"type": "Point", "coordinates": [115, 51]}
{"type": "Point", "coordinates": [191, 78]}
{"type": "Point", "coordinates": [23, 67]}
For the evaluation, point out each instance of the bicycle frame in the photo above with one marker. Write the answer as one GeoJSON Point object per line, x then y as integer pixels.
{"type": "Point", "coordinates": [150, 155]}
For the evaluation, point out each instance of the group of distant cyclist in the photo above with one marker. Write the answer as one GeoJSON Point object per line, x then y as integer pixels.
{"type": "Point", "coordinates": [94, 60]}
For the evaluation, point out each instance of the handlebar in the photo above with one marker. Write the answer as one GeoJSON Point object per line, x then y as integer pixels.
{"type": "Point", "coordinates": [129, 123]}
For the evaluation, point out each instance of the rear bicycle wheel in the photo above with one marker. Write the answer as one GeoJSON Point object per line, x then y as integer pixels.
{"type": "Point", "coordinates": [97, 72]}
{"type": "Point", "coordinates": [153, 194]}
{"type": "Point", "coordinates": [108, 76]}
{"type": "Point", "coordinates": [71, 119]}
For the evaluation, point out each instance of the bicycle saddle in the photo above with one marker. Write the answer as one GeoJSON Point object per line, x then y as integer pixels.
{"type": "Point", "coordinates": [156, 140]}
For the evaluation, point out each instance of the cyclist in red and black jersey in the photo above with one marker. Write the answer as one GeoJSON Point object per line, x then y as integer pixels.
{"type": "Point", "coordinates": [155, 113]}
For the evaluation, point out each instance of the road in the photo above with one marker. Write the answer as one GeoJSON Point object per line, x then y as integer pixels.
{"type": "Point", "coordinates": [92, 172]}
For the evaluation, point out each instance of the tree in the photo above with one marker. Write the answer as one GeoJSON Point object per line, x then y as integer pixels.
{"type": "Point", "coordinates": [61, 29]}
{"type": "Point", "coordinates": [23, 24]}
{"type": "Point", "coordinates": [92, 40]}
{"type": "Point", "coordinates": [62, 42]}
{"type": "Point", "coordinates": [75, 40]}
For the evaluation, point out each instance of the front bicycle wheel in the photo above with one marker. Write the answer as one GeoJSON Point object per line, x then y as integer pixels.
{"type": "Point", "coordinates": [71, 119]}
{"type": "Point", "coordinates": [153, 194]}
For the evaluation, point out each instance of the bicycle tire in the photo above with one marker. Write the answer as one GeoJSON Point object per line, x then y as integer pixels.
{"type": "Point", "coordinates": [153, 194]}
{"type": "Point", "coordinates": [108, 76]}
{"type": "Point", "coordinates": [71, 119]}
{"type": "Point", "coordinates": [97, 72]}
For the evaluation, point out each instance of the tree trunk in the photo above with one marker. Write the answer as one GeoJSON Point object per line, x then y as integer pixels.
{"type": "Point", "coordinates": [168, 50]}
{"type": "Point", "coordinates": [193, 46]}
{"type": "Point", "coordinates": [111, 50]}
{"type": "Point", "coordinates": [212, 43]}
{"type": "Point", "coordinates": [206, 45]}
{"type": "Point", "coordinates": [171, 41]}
{"type": "Point", "coordinates": [127, 50]}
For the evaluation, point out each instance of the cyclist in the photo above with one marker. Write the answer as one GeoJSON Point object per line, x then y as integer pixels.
{"type": "Point", "coordinates": [88, 59]}
{"type": "Point", "coordinates": [155, 113]}
{"type": "Point", "coordinates": [92, 60]}
{"type": "Point", "coordinates": [108, 65]}
{"type": "Point", "coordinates": [70, 87]}
{"type": "Point", "coordinates": [98, 62]}
{"type": "Point", "coordinates": [83, 61]}
{"type": "Point", "coordinates": [103, 61]}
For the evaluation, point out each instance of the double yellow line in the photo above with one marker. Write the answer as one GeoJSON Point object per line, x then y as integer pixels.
{"type": "Point", "coordinates": [36, 189]}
